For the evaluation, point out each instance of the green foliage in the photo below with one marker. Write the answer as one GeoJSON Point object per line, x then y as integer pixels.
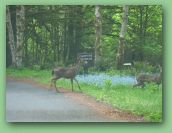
{"type": "Point", "coordinates": [49, 42]}
{"type": "Point", "coordinates": [121, 72]}
{"type": "Point", "coordinates": [108, 84]}
{"type": "Point", "coordinates": [102, 65]}
{"type": "Point", "coordinates": [144, 67]}
{"type": "Point", "coordinates": [140, 102]}
{"type": "Point", "coordinates": [153, 53]}
{"type": "Point", "coordinates": [36, 67]}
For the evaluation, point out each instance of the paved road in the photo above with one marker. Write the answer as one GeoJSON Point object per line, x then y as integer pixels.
{"type": "Point", "coordinates": [29, 103]}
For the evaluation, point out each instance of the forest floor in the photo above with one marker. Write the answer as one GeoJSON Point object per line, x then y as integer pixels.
{"type": "Point", "coordinates": [27, 100]}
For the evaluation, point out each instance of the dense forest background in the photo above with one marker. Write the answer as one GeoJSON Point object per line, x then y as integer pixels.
{"type": "Point", "coordinates": [43, 37]}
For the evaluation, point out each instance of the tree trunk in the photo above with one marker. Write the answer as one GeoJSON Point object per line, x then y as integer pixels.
{"type": "Point", "coordinates": [11, 41]}
{"type": "Point", "coordinates": [98, 27]}
{"type": "Point", "coordinates": [141, 9]}
{"type": "Point", "coordinates": [20, 18]}
{"type": "Point", "coordinates": [65, 40]}
{"type": "Point", "coordinates": [58, 43]}
{"type": "Point", "coordinates": [121, 48]}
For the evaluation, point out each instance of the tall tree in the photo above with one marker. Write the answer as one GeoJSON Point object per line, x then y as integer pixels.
{"type": "Point", "coordinates": [55, 34]}
{"type": "Point", "coordinates": [20, 19]}
{"type": "Point", "coordinates": [98, 27]}
{"type": "Point", "coordinates": [11, 40]}
{"type": "Point", "coordinates": [121, 48]}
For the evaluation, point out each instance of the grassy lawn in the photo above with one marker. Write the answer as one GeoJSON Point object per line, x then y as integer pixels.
{"type": "Point", "coordinates": [140, 101]}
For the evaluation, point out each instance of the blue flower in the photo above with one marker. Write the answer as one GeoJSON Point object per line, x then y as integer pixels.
{"type": "Point", "coordinates": [100, 79]}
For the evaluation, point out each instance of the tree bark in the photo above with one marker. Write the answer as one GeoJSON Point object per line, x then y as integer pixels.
{"type": "Point", "coordinates": [121, 48]}
{"type": "Point", "coordinates": [20, 20]}
{"type": "Point", "coordinates": [65, 40]}
{"type": "Point", "coordinates": [11, 40]}
{"type": "Point", "coordinates": [98, 28]}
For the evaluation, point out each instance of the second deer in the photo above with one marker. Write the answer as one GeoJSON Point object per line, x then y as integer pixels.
{"type": "Point", "coordinates": [143, 78]}
{"type": "Point", "coordinates": [68, 73]}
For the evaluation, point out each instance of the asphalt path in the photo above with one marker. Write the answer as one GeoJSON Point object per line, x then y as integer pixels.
{"type": "Point", "coordinates": [27, 102]}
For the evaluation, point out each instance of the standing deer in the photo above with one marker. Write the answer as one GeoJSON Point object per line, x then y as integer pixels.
{"type": "Point", "coordinates": [68, 73]}
{"type": "Point", "coordinates": [143, 78]}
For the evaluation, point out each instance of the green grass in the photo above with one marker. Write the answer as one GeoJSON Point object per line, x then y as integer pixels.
{"type": "Point", "coordinates": [140, 101]}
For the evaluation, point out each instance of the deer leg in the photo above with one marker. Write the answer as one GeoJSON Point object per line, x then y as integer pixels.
{"type": "Point", "coordinates": [51, 82]}
{"type": "Point", "coordinates": [143, 85]}
{"type": "Point", "coordinates": [55, 85]}
{"type": "Point", "coordinates": [72, 84]}
{"type": "Point", "coordinates": [135, 85]}
{"type": "Point", "coordinates": [77, 83]}
{"type": "Point", "coordinates": [139, 84]}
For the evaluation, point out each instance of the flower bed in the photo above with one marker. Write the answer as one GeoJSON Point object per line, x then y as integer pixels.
{"type": "Point", "coordinates": [100, 79]}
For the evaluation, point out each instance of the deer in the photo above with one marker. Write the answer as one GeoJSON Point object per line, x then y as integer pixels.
{"type": "Point", "coordinates": [149, 78]}
{"type": "Point", "coordinates": [67, 73]}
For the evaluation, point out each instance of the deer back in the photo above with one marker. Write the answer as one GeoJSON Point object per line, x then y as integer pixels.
{"type": "Point", "coordinates": [67, 72]}
{"type": "Point", "coordinates": [59, 71]}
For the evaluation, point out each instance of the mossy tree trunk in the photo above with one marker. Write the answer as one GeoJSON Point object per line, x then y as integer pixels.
{"type": "Point", "coordinates": [11, 40]}
{"type": "Point", "coordinates": [20, 26]}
